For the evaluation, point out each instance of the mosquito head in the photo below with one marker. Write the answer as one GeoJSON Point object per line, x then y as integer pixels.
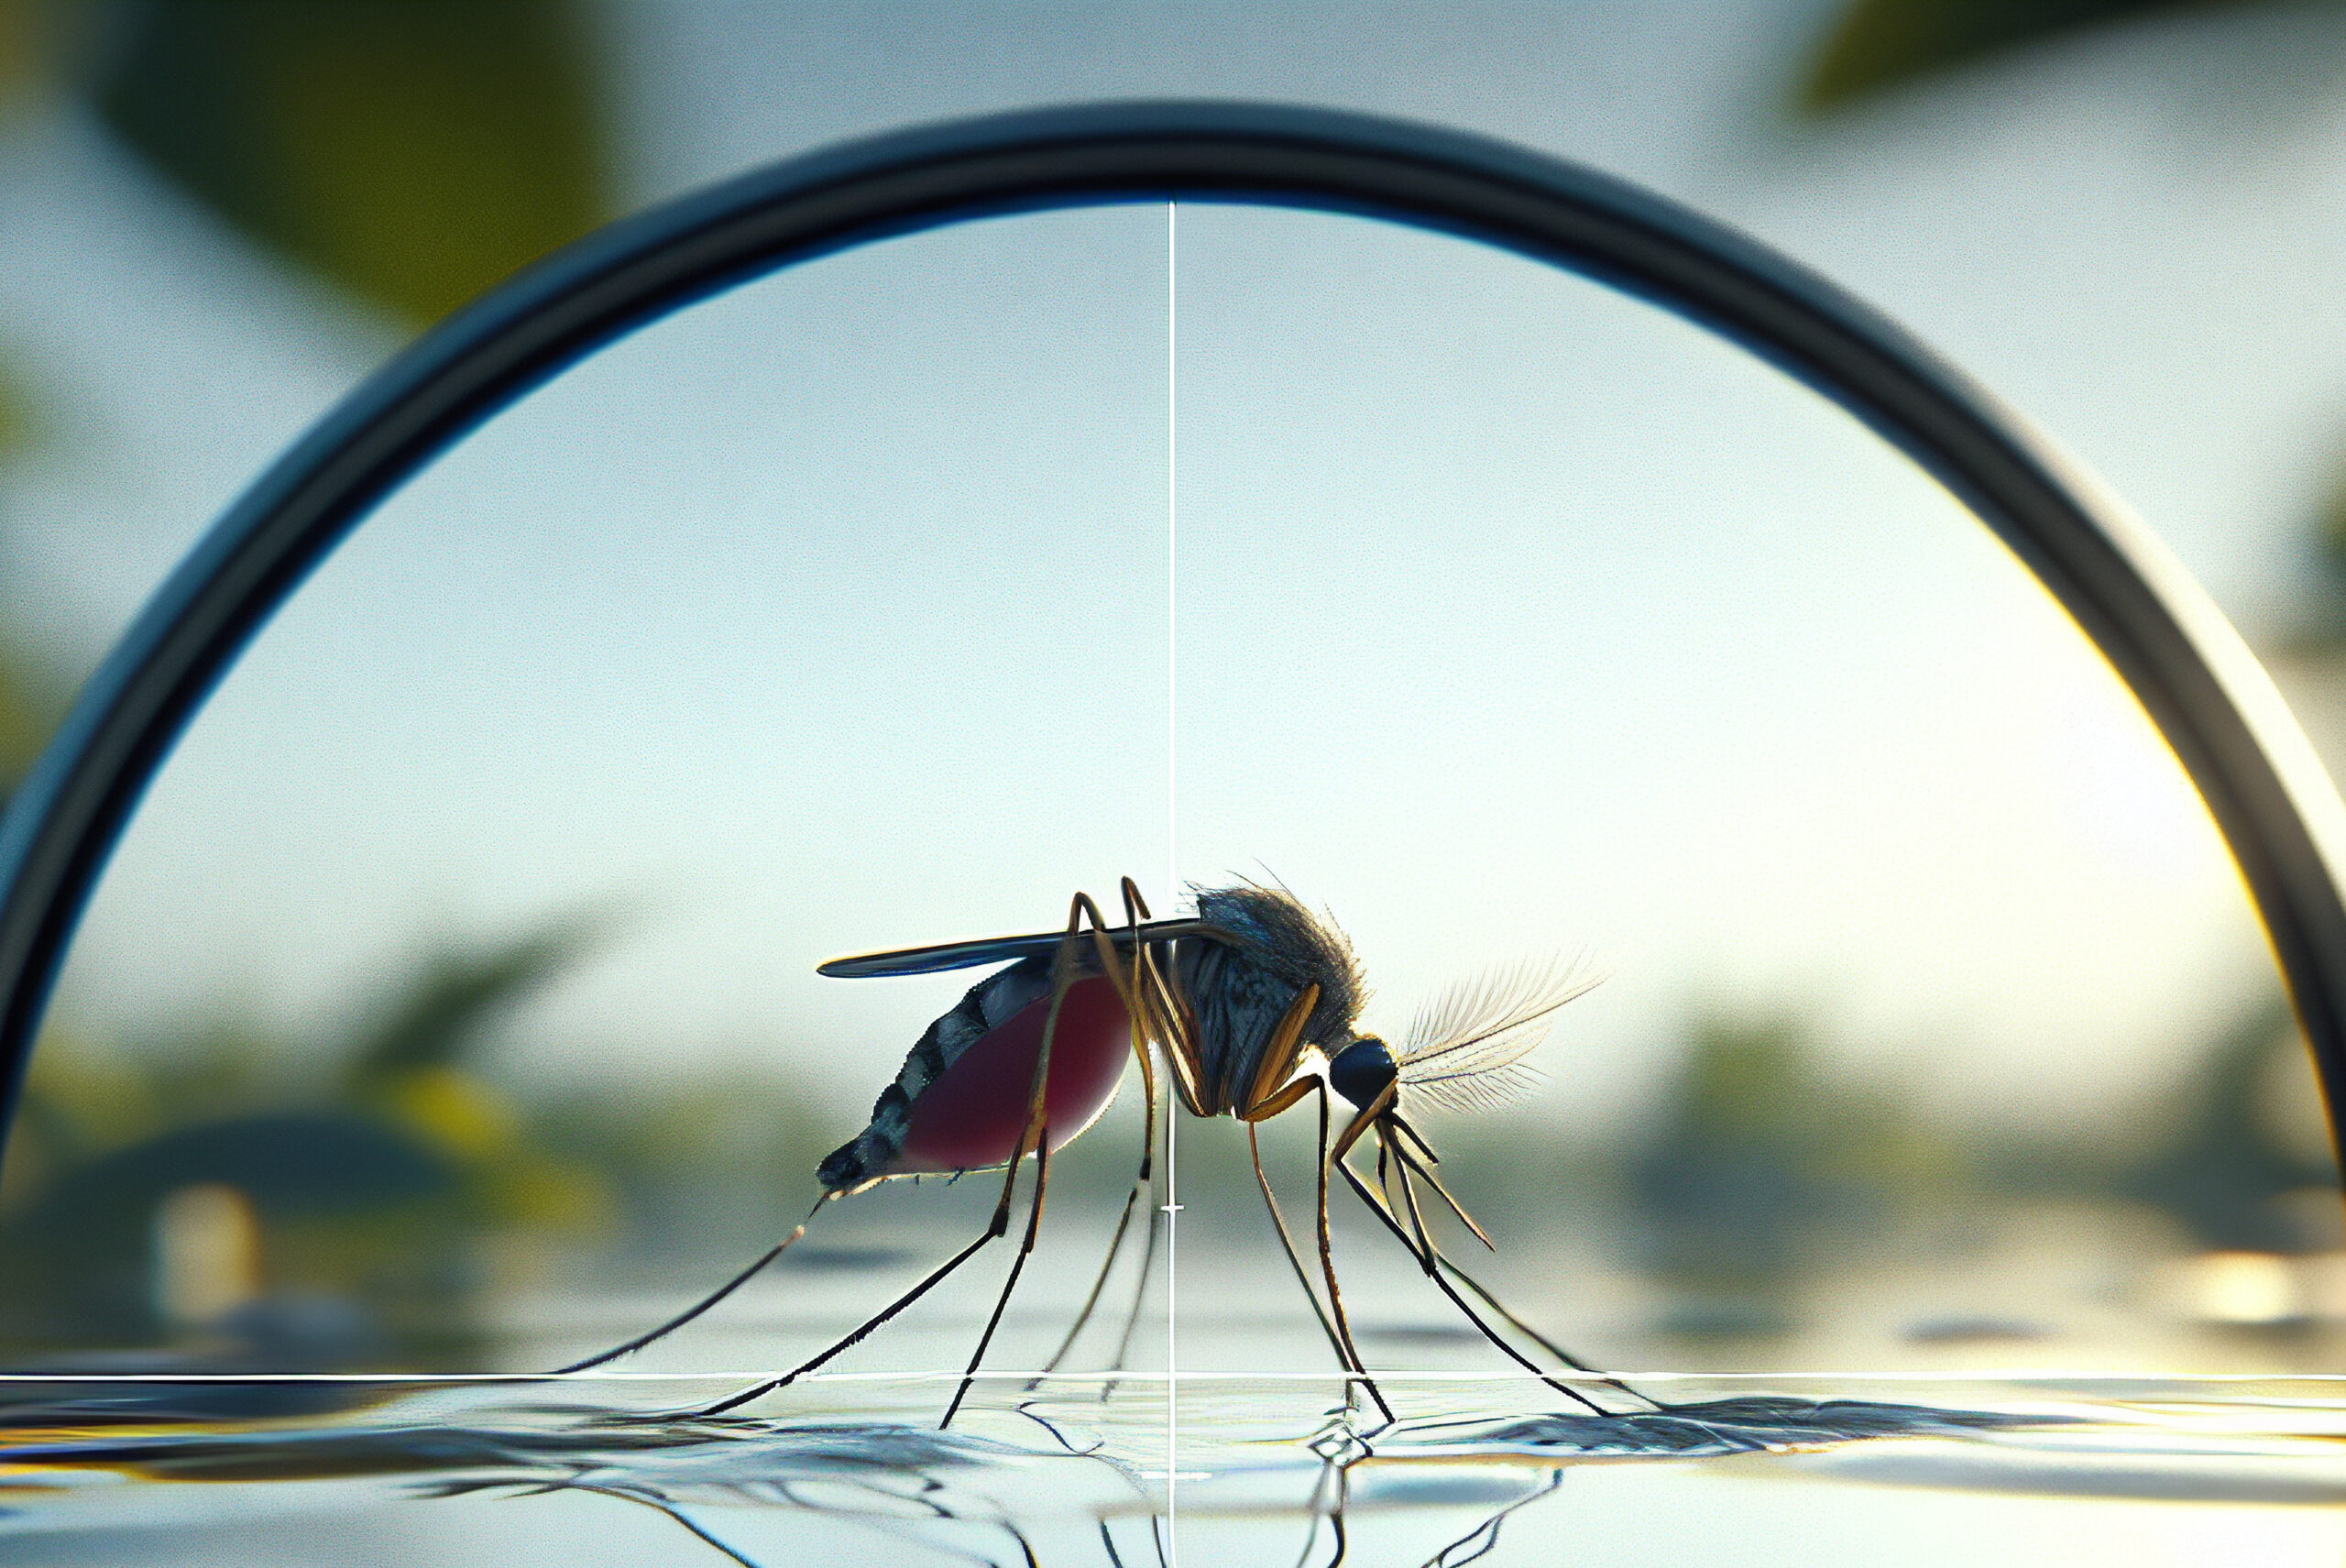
{"type": "Point", "coordinates": [1362, 1070]}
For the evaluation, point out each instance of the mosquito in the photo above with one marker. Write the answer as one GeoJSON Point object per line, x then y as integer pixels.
{"type": "Point", "coordinates": [1252, 1004]}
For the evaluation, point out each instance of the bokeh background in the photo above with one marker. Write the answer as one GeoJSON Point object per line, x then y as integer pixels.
{"type": "Point", "coordinates": [397, 1038]}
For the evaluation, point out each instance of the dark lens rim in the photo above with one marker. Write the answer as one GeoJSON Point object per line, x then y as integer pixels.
{"type": "Point", "coordinates": [2215, 706]}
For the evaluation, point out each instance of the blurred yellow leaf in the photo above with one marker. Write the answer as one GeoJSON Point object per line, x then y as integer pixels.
{"type": "Point", "coordinates": [17, 421]}
{"type": "Point", "coordinates": [1879, 44]}
{"type": "Point", "coordinates": [30, 706]}
{"type": "Point", "coordinates": [102, 1097]}
{"type": "Point", "coordinates": [555, 1194]}
{"type": "Point", "coordinates": [20, 45]}
{"type": "Point", "coordinates": [412, 152]}
{"type": "Point", "coordinates": [455, 1111]}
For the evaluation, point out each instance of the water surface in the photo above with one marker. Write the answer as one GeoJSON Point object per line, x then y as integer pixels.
{"type": "Point", "coordinates": [595, 1470]}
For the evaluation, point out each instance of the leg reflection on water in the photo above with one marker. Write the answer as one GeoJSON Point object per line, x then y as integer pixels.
{"type": "Point", "coordinates": [1039, 1483]}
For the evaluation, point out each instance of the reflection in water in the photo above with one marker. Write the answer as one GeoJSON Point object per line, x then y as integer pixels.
{"type": "Point", "coordinates": [440, 1443]}
{"type": "Point", "coordinates": [1468, 1474]}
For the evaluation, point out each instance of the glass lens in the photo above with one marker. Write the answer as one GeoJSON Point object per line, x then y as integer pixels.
{"type": "Point", "coordinates": [451, 1001]}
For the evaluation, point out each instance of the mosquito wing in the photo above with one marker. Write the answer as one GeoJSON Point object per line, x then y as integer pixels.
{"type": "Point", "coordinates": [1464, 1049]}
{"type": "Point", "coordinates": [1000, 951]}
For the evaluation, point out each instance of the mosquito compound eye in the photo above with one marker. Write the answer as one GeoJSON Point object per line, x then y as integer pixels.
{"type": "Point", "coordinates": [1361, 1072]}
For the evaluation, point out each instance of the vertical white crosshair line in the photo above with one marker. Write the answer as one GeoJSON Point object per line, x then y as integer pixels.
{"type": "Point", "coordinates": [1172, 863]}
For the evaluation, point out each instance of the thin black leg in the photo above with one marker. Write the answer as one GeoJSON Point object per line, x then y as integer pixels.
{"type": "Point", "coordinates": [1294, 1259]}
{"type": "Point", "coordinates": [1422, 1248]}
{"type": "Point", "coordinates": [1542, 1340]}
{"type": "Point", "coordinates": [1401, 1152]}
{"type": "Point", "coordinates": [1154, 1234]}
{"type": "Point", "coordinates": [722, 1291]}
{"type": "Point", "coordinates": [661, 1505]}
{"type": "Point", "coordinates": [1141, 1182]}
{"type": "Point", "coordinates": [1017, 1264]}
{"type": "Point", "coordinates": [1426, 1251]}
{"type": "Point", "coordinates": [858, 1337]}
{"type": "Point", "coordinates": [1328, 1271]}
{"type": "Point", "coordinates": [1487, 1533]}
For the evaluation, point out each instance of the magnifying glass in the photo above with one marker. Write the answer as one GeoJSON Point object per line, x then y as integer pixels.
{"type": "Point", "coordinates": [1516, 570]}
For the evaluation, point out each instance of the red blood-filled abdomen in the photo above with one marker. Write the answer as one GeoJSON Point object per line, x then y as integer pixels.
{"type": "Point", "coordinates": [971, 1116]}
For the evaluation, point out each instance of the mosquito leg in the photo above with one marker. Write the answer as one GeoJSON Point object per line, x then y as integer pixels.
{"type": "Point", "coordinates": [1281, 1052]}
{"type": "Point", "coordinates": [1362, 1119]}
{"type": "Point", "coordinates": [1294, 1259]}
{"type": "Point", "coordinates": [1141, 1182]}
{"type": "Point", "coordinates": [659, 1505]}
{"type": "Point", "coordinates": [1099, 1282]}
{"type": "Point", "coordinates": [1377, 1206]}
{"type": "Point", "coordinates": [1267, 1099]}
{"type": "Point", "coordinates": [1017, 1264]}
{"type": "Point", "coordinates": [1063, 976]}
{"type": "Point", "coordinates": [1136, 1007]}
{"type": "Point", "coordinates": [722, 1291]}
{"type": "Point", "coordinates": [1385, 1215]}
{"type": "Point", "coordinates": [1336, 1516]}
{"type": "Point", "coordinates": [1165, 1009]}
{"type": "Point", "coordinates": [1141, 1285]}
{"type": "Point", "coordinates": [1542, 1340]}
{"type": "Point", "coordinates": [1385, 1190]}
{"type": "Point", "coordinates": [1426, 1175]}
{"type": "Point", "coordinates": [1327, 1270]}
{"type": "Point", "coordinates": [1401, 1154]}
{"type": "Point", "coordinates": [1136, 906]}
{"type": "Point", "coordinates": [1487, 1533]}
{"type": "Point", "coordinates": [1162, 1001]}
{"type": "Point", "coordinates": [1317, 1507]}
{"type": "Point", "coordinates": [863, 1333]}
{"type": "Point", "coordinates": [1183, 1066]}
{"type": "Point", "coordinates": [1421, 1247]}
{"type": "Point", "coordinates": [1155, 1011]}
{"type": "Point", "coordinates": [1181, 1056]}
{"type": "Point", "coordinates": [1037, 1134]}
{"type": "Point", "coordinates": [1431, 1258]}
{"type": "Point", "coordinates": [1425, 1250]}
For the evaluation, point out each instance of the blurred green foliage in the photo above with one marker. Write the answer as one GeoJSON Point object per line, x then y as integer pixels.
{"type": "Point", "coordinates": [440, 1010]}
{"type": "Point", "coordinates": [1769, 1166]}
{"type": "Point", "coordinates": [2227, 1166]}
{"type": "Point", "coordinates": [24, 51]}
{"type": "Point", "coordinates": [32, 701]}
{"type": "Point", "coordinates": [371, 1164]}
{"type": "Point", "coordinates": [19, 423]}
{"type": "Point", "coordinates": [2327, 616]}
{"type": "Point", "coordinates": [1763, 1154]}
{"type": "Point", "coordinates": [399, 1178]}
{"type": "Point", "coordinates": [411, 151]}
{"type": "Point", "coordinates": [1879, 44]}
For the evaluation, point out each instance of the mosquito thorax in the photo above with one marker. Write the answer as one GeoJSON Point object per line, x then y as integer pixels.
{"type": "Point", "coordinates": [1362, 1070]}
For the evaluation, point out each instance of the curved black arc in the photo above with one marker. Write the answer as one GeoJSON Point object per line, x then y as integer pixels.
{"type": "Point", "coordinates": [2280, 816]}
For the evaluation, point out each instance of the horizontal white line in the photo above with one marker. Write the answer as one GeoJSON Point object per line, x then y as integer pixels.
{"type": "Point", "coordinates": [1185, 1376]}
